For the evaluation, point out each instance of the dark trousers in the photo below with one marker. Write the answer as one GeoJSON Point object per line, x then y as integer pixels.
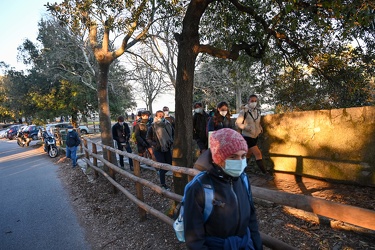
{"type": "Point", "coordinates": [163, 157]}
{"type": "Point", "coordinates": [129, 150]}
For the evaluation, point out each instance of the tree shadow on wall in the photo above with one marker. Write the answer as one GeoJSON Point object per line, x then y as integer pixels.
{"type": "Point", "coordinates": [329, 161]}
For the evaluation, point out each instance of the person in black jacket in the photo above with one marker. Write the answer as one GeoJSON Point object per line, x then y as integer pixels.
{"type": "Point", "coordinates": [72, 142]}
{"type": "Point", "coordinates": [232, 223]}
{"type": "Point", "coordinates": [121, 134]}
{"type": "Point", "coordinates": [200, 126]}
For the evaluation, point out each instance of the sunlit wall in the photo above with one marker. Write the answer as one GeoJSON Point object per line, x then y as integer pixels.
{"type": "Point", "coordinates": [334, 144]}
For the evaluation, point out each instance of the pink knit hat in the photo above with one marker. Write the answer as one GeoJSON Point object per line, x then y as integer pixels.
{"type": "Point", "coordinates": [225, 142]}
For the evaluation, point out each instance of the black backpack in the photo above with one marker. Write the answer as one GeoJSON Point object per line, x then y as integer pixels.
{"type": "Point", "coordinates": [71, 139]}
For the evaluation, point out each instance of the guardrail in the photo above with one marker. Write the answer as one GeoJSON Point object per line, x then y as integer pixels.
{"type": "Point", "coordinates": [357, 216]}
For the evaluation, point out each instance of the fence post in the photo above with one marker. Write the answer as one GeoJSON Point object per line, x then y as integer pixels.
{"type": "Point", "coordinates": [86, 153]}
{"type": "Point", "coordinates": [111, 172]}
{"type": "Point", "coordinates": [95, 160]}
{"type": "Point", "coordinates": [139, 189]}
{"type": "Point", "coordinates": [79, 135]}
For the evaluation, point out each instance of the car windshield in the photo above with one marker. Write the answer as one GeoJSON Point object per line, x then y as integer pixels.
{"type": "Point", "coordinates": [14, 127]}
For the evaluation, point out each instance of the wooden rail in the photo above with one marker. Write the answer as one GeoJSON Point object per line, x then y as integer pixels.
{"type": "Point", "coordinates": [353, 215]}
{"type": "Point", "coordinates": [357, 216]}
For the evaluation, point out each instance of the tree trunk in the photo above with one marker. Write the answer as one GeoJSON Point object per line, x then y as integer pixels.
{"type": "Point", "coordinates": [104, 113]}
{"type": "Point", "coordinates": [75, 118]}
{"type": "Point", "coordinates": [149, 106]}
{"type": "Point", "coordinates": [188, 42]}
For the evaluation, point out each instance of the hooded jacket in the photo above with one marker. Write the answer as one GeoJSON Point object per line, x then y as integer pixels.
{"type": "Point", "coordinates": [233, 211]}
{"type": "Point", "coordinates": [250, 125]}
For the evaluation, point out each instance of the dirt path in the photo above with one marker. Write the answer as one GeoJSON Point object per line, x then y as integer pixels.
{"type": "Point", "coordinates": [112, 221]}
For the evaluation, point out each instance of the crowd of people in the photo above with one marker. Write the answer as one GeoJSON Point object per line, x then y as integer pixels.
{"type": "Point", "coordinates": [225, 149]}
{"type": "Point", "coordinates": [154, 136]}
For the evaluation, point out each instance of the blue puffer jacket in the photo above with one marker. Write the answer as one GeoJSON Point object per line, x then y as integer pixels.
{"type": "Point", "coordinates": [233, 220]}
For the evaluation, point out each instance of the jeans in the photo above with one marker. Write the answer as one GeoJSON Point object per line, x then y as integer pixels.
{"type": "Point", "coordinates": [163, 157]}
{"type": "Point", "coordinates": [71, 152]}
{"type": "Point", "coordinates": [129, 150]}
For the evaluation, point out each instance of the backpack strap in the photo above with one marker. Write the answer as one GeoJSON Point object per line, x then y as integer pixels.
{"type": "Point", "coordinates": [244, 118]}
{"type": "Point", "coordinates": [197, 177]}
{"type": "Point", "coordinates": [208, 197]}
{"type": "Point", "coordinates": [208, 189]}
{"type": "Point", "coordinates": [245, 181]}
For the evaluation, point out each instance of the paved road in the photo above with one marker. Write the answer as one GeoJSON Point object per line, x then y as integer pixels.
{"type": "Point", "coordinates": [34, 209]}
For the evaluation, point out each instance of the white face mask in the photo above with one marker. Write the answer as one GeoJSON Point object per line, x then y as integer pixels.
{"type": "Point", "coordinates": [252, 105]}
{"type": "Point", "coordinates": [156, 119]}
{"type": "Point", "coordinates": [223, 113]}
{"type": "Point", "coordinates": [198, 110]}
{"type": "Point", "coordinates": [70, 130]}
{"type": "Point", "coordinates": [121, 123]}
{"type": "Point", "coordinates": [166, 113]}
{"type": "Point", "coordinates": [235, 168]}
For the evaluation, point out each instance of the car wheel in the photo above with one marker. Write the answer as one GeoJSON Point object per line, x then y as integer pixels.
{"type": "Point", "coordinates": [83, 131]}
{"type": "Point", "coordinates": [35, 137]}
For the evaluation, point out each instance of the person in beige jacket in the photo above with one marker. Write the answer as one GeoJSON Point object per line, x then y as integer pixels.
{"type": "Point", "coordinates": [249, 122]}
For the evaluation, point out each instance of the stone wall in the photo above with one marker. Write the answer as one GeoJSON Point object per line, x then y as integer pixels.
{"type": "Point", "coordinates": [334, 144]}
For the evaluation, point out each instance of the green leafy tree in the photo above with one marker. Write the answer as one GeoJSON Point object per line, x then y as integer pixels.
{"type": "Point", "coordinates": [15, 103]}
{"type": "Point", "coordinates": [297, 30]}
{"type": "Point", "coordinates": [55, 86]}
{"type": "Point", "coordinates": [339, 80]}
{"type": "Point", "coordinates": [97, 19]}
{"type": "Point", "coordinates": [60, 81]}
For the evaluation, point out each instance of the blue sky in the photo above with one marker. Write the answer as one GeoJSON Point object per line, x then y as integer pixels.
{"type": "Point", "coordinates": [18, 21]}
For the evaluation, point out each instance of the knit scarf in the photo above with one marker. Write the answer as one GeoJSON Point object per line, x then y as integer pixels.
{"type": "Point", "coordinates": [163, 131]}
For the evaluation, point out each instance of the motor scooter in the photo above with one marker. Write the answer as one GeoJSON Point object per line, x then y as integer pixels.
{"type": "Point", "coordinates": [50, 144]}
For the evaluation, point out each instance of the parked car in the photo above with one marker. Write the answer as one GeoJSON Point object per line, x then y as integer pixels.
{"type": "Point", "coordinates": [5, 126]}
{"type": "Point", "coordinates": [12, 132]}
{"type": "Point", "coordinates": [31, 131]}
{"type": "Point", "coordinates": [64, 125]}
{"type": "Point", "coordinates": [3, 133]}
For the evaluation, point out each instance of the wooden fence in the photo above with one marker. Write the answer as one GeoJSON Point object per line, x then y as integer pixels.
{"type": "Point", "coordinates": [357, 216]}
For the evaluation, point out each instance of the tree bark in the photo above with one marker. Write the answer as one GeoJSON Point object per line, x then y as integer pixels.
{"type": "Point", "coordinates": [188, 44]}
{"type": "Point", "coordinates": [149, 106]}
{"type": "Point", "coordinates": [104, 112]}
